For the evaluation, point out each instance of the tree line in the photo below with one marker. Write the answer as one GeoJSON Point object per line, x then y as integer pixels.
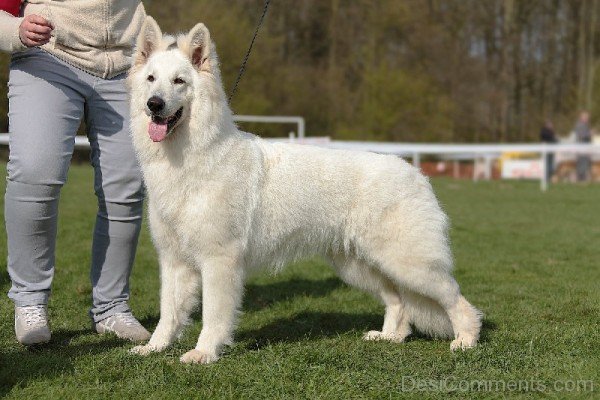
{"type": "Point", "coordinates": [402, 70]}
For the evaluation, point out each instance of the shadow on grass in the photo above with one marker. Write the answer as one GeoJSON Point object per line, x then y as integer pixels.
{"type": "Point", "coordinates": [20, 365]}
{"type": "Point", "coordinates": [315, 325]}
{"type": "Point", "coordinates": [258, 296]}
{"type": "Point", "coordinates": [308, 325]}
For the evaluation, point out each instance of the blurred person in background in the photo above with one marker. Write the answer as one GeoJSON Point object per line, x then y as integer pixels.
{"type": "Point", "coordinates": [69, 61]}
{"type": "Point", "coordinates": [583, 135]}
{"type": "Point", "coordinates": [547, 135]}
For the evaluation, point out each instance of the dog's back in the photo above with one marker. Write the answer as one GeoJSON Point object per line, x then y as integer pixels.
{"type": "Point", "coordinates": [320, 201]}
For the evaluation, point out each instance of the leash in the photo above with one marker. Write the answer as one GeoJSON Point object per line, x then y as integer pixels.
{"type": "Point", "coordinates": [243, 67]}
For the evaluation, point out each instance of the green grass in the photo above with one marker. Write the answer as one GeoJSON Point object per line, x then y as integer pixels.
{"type": "Point", "coordinates": [529, 260]}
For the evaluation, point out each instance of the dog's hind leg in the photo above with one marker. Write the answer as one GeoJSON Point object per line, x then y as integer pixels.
{"type": "Point", "coordinates": [396, 324]}
{"type": "Point", "coordinates": [179, 293]}
{"type": "Point", "coordinates": [466, 322]}
{"type": "Point", "coordinates": [434, 281]}
{"type": "Point", "coordinates": [222, 287]}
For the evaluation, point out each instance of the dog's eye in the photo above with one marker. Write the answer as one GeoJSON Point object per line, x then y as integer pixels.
{"type": "Point", "coordinates": [150, 78]}
{"type": "Point", "coordinates": [178, 81]}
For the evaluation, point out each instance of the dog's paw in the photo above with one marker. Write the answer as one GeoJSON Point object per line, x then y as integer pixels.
{"type": "Point", "coordinates": [196, 356]}
{"type": "Point", "coordinates": [390, 337]}
{"type": "Point", "coordinates": [463, 343]}
{"type": "Point", "coordinates": [144, 350]}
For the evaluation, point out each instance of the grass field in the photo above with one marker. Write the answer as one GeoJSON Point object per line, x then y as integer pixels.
{"type": "Point", "coordinates": [529, 260]}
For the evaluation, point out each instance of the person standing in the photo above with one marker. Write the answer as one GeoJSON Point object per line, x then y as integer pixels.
{"type": "Point", "coordinates": [547, 135]}
{"type": "Point", "coordinates": [583, 135]}
{"type": "Point", "coordinates": [69, 60]}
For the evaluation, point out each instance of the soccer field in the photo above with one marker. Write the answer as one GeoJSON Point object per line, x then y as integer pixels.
{"type": "Point", "coordinates": [529, 260]}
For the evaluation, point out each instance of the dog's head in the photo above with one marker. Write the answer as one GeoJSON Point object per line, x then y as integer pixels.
{"type": "Point", "coordinates": [171, 75]}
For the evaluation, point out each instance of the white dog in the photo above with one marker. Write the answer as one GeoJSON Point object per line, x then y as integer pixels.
{"type": "Point", "coordinates": [222, 202]}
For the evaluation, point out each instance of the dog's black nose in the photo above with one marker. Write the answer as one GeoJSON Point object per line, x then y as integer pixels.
{"type": "Point", "coordinates": [156, 104]}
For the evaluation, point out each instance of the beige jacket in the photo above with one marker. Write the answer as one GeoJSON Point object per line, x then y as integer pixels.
{"type": "Point", "coordinates": [97, 36]}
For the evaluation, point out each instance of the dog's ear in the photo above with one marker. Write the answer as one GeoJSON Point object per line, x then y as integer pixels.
{"type": "Point", "coordinates": [199, 47]}
{"type": "Point", "coordinates": [147, 41]}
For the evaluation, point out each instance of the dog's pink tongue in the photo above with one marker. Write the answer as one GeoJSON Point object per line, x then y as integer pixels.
{"type": "Point", "coordinates": [157, 131]}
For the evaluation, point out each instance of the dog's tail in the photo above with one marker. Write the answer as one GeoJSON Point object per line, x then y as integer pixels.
{"type": "Point", "coordinates": [427, 316]}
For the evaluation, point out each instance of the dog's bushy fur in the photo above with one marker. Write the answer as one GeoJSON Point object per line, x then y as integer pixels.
{"type": "Point", "coordinates": [222, 202]}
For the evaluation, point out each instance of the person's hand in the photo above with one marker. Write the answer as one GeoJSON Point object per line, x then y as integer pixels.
{"type": "Point", "coordinates": [35, 30]}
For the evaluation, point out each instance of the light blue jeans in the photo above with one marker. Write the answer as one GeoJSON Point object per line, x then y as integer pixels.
{"type": "Point", "coordinates": [47, 100]}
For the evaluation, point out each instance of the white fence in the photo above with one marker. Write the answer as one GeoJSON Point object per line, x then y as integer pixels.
{"type": "Point", "coordinates": [485, 152]}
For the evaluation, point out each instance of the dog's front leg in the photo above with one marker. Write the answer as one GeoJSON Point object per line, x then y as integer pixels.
{"type": "Point", "coordinates": [222, 287]}
{"type": "Point", "coordinates": [180, 285]}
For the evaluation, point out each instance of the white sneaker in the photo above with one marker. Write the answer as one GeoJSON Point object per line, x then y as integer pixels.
{"type": "Point", "coordinates": [31, 324]}
{"type": "Point", "coordinates": [124, 325]}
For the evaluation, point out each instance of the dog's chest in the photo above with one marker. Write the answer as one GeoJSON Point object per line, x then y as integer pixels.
{"type": "Point", "coordinates": [178, 207]}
